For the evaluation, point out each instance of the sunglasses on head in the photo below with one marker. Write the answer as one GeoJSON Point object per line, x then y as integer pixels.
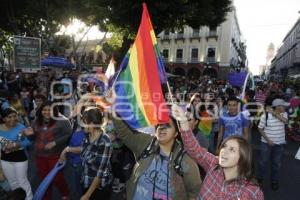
{"type": "Point", "coordinates": [163, 126]}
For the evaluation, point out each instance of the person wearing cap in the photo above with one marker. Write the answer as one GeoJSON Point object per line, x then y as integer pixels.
{"type": "Point", "coordinates": [272, 129]}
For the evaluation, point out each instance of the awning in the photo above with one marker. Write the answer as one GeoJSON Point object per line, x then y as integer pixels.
{"type": "Point", "coordinates": [57, 62]}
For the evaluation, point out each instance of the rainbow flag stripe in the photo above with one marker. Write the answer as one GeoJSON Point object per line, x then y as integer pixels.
{"type": "Point", "coordinates": [140, 101]}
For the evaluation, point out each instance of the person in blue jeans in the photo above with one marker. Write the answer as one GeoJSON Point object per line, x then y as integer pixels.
{"type": "Point", "coordinates": [272, 129]}
{"type": "Point", "coordinates": [75, 162]}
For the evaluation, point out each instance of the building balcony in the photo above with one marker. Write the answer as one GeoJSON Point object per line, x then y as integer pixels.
{"type": "Point", "coordinates": [179, 36]}
{"type": "Point", "coordinates": [242, 45]}
{"type": "Point", "coordinates": [234, 42]}
{"type": "Point", "coordinates": [165, 38]}
{"type": "Point", "coordinates": [195, 36]}
{"type": "Point", "coordinates": [179, 60]}
{"type": "Point", "coordinates": [194, 60]}
{"type": "Point", "coordinates": [212, 34]}
{"type": "Point", "coordinates": [210, 60]}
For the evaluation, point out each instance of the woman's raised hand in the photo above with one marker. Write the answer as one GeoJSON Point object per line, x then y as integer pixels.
{"type": "Point", "coordinates": [178, 113]}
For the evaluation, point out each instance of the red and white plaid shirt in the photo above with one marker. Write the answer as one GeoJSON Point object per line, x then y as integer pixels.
{"type": "Point", "coordinates": [214, 186]}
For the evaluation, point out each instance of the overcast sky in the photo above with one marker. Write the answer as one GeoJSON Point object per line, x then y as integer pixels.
{"type": "Point", "coordinates": [263, 22]}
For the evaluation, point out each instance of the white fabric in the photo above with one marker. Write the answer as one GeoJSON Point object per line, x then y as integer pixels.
{"type": "Point", "coordinates": [297, 156]}
{"type": "Point", "coordinates": [110, 71]}
{"type": "Point", "coordinates": [16, 175]}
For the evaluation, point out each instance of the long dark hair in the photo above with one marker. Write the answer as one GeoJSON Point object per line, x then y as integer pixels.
{"type": "Point", "coordinates": [245, 163]}
{"type": "Point", "coordinates": [40, 117]}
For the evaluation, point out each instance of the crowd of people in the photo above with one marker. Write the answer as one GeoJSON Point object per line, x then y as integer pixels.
{"type": "Point", "coordinates": [203, 152]}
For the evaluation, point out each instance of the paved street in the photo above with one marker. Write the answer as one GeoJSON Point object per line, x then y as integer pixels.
{"type": "Point", "coordinates": [290, 180]}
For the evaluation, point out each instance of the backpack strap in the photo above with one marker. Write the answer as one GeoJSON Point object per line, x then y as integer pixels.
{"type": "Point", "coordinates": [177, 162]}
{"type": "Point", "coordinates": [148, 150]}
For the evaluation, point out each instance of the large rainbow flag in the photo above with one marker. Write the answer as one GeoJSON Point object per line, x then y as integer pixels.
{"type": "Point", "coordinates": [140, 101]}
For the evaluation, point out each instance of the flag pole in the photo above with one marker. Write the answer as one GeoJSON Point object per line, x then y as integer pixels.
{"type": "Point", "coordinates": [244, 86]}
{"type": "Point", "coordinates": [112, 86]}
{"type": "Point", "coordinates": [119, 71]}
{"type": "Point", "coordinates": [170, 93]}
{"type": "Point", "coordinates": [169, 90]}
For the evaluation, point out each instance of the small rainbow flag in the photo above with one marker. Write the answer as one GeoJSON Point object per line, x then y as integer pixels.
{"type": "Point", "coordinates": [205, 124]}
{"type": "Point", "coordinates": [140, 101]}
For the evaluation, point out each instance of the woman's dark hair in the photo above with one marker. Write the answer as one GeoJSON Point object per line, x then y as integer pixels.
{"type": "Point", "coordinates": [92, 115]}
{"type": "Point", "coordinates": [245, 163]}
{"type": "Point", "coordinates": [196, 95]}
{"type": "Point", "coordinates": [40, 117]}
{"type": "Point", "coordinates": [8, 111]}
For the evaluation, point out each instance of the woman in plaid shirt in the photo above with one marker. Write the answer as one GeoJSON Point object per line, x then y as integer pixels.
{"type": "Point", "coordinates": [95, 153]}
{"type": "Point", "coordinates": [229, 176]}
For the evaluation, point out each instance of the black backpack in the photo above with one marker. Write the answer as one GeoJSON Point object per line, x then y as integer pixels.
{"type": "Point", "coordinates": [177, 161]}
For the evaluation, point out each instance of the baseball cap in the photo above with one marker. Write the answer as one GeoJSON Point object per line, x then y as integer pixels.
{"type": "Point", "coordinates": [279, 102]}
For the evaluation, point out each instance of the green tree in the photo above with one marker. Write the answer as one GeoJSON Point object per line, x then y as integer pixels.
{"type": "Point", "coordinates": [40, 18]}
{"type": "Point", "coordinates": [6, 47]}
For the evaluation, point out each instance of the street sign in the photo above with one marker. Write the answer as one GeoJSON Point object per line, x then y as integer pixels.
{"type": "Point", "coordinates": [27, 53]}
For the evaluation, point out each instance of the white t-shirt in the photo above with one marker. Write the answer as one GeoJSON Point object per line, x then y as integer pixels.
{"type": "Point", "coordinates": [274, 129]}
